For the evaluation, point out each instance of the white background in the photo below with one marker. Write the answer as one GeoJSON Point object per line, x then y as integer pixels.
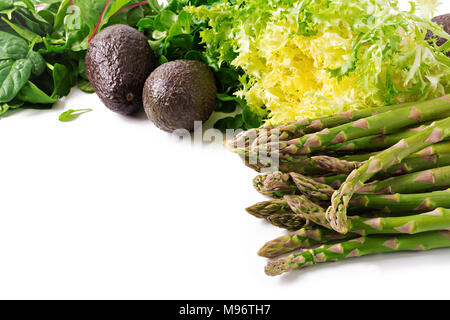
{"type": "Point", "coordinates": [111, 207]}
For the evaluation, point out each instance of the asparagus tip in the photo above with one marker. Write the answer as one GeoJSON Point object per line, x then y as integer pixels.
{"type": "Point", "coordinates": [265, 252]}
{"type": "Point", "coordinates": [277, 267]}
{"type": "Point", "coordinates": [254, 211]}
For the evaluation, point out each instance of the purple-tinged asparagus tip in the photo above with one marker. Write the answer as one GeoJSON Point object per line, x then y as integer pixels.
{"type": "Point", "coordinates": [277, 267]}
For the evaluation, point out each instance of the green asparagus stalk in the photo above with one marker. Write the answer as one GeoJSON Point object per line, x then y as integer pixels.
{"type": "Point", "coordinates": [280, 184]}
{"type": "Point", "coordinates": [308, 210]}
{"type": "Point", "coordinates": [278, 213]}
{"type": "Point", "coordinates": [431, 157]}
{"type": "Point", "coordinates": [333, 181]}
{"type": "Point", "coordinates": [287, 221]}
{"type": "Point", "coordinates": [383, 123]}
{"type": "Point", "coordinates": [417, 162]}
{"type": "Point", "coordinates": [337, 212]}
{"type": "Point", "coordinates": [359, 247]}
{"type": "Point", "coordinates": [357, 157]}
{"type": "Point", "coordinates": [266, 209]}
{"type": "Point", "coordinates": [335, 165]}
{"type": "Point", "coordinates": [305, 238]}
{"type": "Point", "coordinates": [423, 181]}
{"type": "Point", "coordinates": [265, 163]}
{"type": "Point", "coordinates": [402, 202]}
{"type": "Point", "coordinates": [376, 142]}
{"type": "Point", "coordinates": [434, 156]}
{"type": "Point", "coordinates": [298, 128]}
{"type": "Point", "coordinates": [319, 188]}
{"type": "Point", "coordinates": [301, 239]}
{"type": "Point", "coordinates": [290, 212]}
{"type": "Point", "coordinates": [311, 188]}
{"type": "Point", "coordinates": [295, 207]}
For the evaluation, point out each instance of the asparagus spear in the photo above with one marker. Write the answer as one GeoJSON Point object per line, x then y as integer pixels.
{"type": "Point", "coordinates": [359, 247]}
{"type": "Point", "coordinates": [301, 239]}
{"type": "Point", "coordinates": [333, 181]}
{"type": "Point", "coordinates": [266, 209]}
{"type": "Point", "coordinates": [376, 142]}
{"type": "Point", "coordinates": [290, 212]}
{"type": "Point", "coordinates": [308, 210]}
{"type": "Point", "coordinates": [299, 208]}
{"type": "Point", "coordinates": [280, 184]}
{"type": "Point", "coordinates": [402, 202]}
{"type": "Point", "coordinates": [298, 128]}
{"type": "Point", "coordinates": [337, 212]}
{"type": "Point", "coordinates": [320, 189]}
{"type": "Point", "coordinates": [287, 221]}
{"type": "Point", "coordinates": [434, 156]}
{"type": "Point", "coordinates": [423, 181]}
{"type": "Point", "coordinates": [439, 219]}
{"type": "Point", "coordinates": [265, 163]}
{"type": "Point", "coordinates": [384, 123]}
{"type": "Point", "coordinates": [278, 213]}
{"type": "Point", "coordinates": [311, 188]}
{"type": "Point", "coordinates": [417, 162]}
{"type": "Point", "coordinates": [335, 165]}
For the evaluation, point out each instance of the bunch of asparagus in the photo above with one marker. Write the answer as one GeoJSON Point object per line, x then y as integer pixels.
{"type": "Point", "coordinates": [353, 184]}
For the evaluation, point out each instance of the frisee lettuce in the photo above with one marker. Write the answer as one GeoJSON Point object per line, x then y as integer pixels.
{"type": "Point", "coordinates": [318, 57]}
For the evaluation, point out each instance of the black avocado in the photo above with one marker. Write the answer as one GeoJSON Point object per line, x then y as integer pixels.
{"type": "Point", "coordinates": [118, 62]}
{"type": "Point", "coordinates": [178, 93]}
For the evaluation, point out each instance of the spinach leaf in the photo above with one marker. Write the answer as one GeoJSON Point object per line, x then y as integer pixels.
{"type": "Point", "coordinates": [13, 76]}
{"type": "Point", "coordinates": [37, 63]}
{"type": "Point", "coordinates": [24, 32]}
{"type": "Point", "coordinates": [62, 81]}
{"type": "Point", "coordinates": [12, 47]}
{"type": "Point", "coordinates": [31, 93]}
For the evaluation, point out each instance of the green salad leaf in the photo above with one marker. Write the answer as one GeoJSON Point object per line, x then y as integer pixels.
{"type": "Point", "coordinates": [71, 114]}
{"type": "Point", "coordinates": [311, 58]}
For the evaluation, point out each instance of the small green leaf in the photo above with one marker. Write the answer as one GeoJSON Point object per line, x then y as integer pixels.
{"type": "Point", "coordinates": [24, 32]}
{"type": "Point", "coordinates": [85, 86]}
{"type": "Point", "coordinates": [194, 55]}
{"type": "Point", "coordinates": [229, 123]}
{"type": "Point", "coordinates": [71, 114]}
{"type": "Point", "coordinates": [163, 60]}
{"type": "Point", "coordinates": [33, 94]}
{"type": "Point", "coordinates": [251, 119]}
{"type": "Point", "coordinates": [62, 80]}
{"type": "Point", "coordinates": [38, 63]}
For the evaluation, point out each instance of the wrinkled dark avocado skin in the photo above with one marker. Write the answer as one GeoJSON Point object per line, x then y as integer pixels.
{"type": "Point", "coordinates": [118, 62]}
{"type": "Point", "coordinates": [178, 93]}
{"type": "Point", "coordinates": [444, 21]}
